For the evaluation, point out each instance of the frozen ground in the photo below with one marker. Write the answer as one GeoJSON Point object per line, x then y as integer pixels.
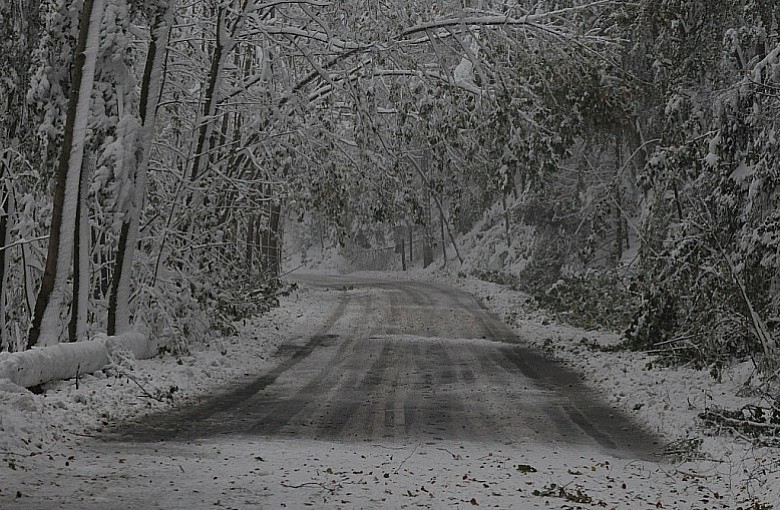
{"type": "Point", "coordinates": [49, 459]}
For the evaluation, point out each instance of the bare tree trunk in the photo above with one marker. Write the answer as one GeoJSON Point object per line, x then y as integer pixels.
{"type": "Point", "coordinates": [443, 238]}
{"type": "Point", "coordinates": [119, 300]}
{"type": "Point", "coordinates": [258, 239]}
{"type": "Point", "coordinates": [274, 221]}
{"type": "Point", "coordinates": [618, 206]}
{"type": "Point", "coordinates": [47, 320]}
{"type": "Point", "coordinates": [322, 236]}
{"type": "Point", "coordinates": [270, 239]}
{"type": "Point", "coordinates": [411, 240]}
{"type": "Point", "coordinates": [677, 201]}
{"type": "Point", "coordinates": [250, 242]}
{"type": "Point", "coordinates": [506, 220]}
{"type": "Point", "coordinates": [78, 312]}
{"type": "Point", "coordinates": [441, 210]}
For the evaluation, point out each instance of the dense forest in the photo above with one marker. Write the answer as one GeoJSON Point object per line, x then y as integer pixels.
{"type": "Point", "coordinates": [151, 151]}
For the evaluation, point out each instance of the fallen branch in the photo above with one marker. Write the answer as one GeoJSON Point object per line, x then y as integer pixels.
{"type": "Point", "coordinates": [746, 420]}
{"type": "Point", "coordinates": [309, 484]}
{"type": "Point", "coordinates": [405, 459]}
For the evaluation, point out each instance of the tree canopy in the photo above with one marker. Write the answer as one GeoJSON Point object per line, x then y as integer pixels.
{"type": "Point", "coordinates": [637, 140]}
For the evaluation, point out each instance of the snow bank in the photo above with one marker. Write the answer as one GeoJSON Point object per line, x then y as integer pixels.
{"type": "Point", "coordinates": [64, 361]}
{"type": "Point", "coordinates": [24, 424]}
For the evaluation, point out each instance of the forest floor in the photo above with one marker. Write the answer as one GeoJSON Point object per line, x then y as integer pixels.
{"type": "Point", "coordinates": [51, 454]}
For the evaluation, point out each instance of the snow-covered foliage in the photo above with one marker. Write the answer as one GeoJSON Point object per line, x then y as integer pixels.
{"type": "Point", "coordinates": [626, 179]}
{"type": "Point", "coordinates": [267, 107]}
{"type": "Point", "coordinates": [712, 226]}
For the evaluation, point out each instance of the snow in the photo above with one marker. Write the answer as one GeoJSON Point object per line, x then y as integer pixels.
{"type": "Point", "coordinates": [47, 462]}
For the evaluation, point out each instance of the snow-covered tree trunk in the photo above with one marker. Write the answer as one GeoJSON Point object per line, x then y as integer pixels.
{"type": "Point", "coordinates": [78, 312]}
{"type": "Point", "coordinates": [47, 316]}
{"type": "Point", "coordinates": [119, 300]}
{"type": "Point", "coordinates": [6, 210]}
{"type": "Point", "coordinates": [223, 46]}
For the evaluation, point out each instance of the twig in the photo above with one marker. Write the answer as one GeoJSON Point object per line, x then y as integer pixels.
{"type": "Point", "coordinates": [390, 447]}
{"type": "Point", "coordinates": [80, 435]}
{"type": "Point", "coordinates": [736, 422]}
{"type": "Point", "coordinates": [146, 393]}
{"type": "Point", "coordinates": [456, 457]}
{"type": "Point", "coordinates": [308, 484]}
{"type": "Point", "coordinates": [124, 373]}
{"type": "Point", "coordinates": [694, 475]}
{"type": "Point", "coordinates": [4, 453]}
{"type": "Point", "coordinates": [405, 459]}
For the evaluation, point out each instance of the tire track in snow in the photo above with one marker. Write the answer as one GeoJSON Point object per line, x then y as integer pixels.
{"type": "Point", "coordinates": [406, 361]}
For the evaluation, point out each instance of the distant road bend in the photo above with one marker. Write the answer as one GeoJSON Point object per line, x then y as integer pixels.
{"type": "Point", "coordinates": [406, 362]}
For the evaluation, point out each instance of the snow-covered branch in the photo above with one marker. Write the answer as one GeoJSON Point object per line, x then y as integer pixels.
{"type": "Point", "coordinates": [306, 34]}
{"type": "Point", "coordinates": [276, 3]}
{"type": "Point", "coordinates": [466, 85]}
{"type": "Point", "coordinates": [497, 20]}
{"type": "Point", "coordinates": [22, 242]}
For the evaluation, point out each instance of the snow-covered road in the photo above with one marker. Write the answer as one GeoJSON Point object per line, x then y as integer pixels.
{"type": "Point", "coordinates": [390, 394]}
{"type": "Point", "coordinates": [404, 362]}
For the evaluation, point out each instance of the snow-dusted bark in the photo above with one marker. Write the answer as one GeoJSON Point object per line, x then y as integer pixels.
{"type": "Point", "coordinates": [47, 323]}
{"type": "Point", "coordinates": [222, 48]}
{"type": "Point", "coordinates": [78, 312]}
{"type": "Point", "coordinates": [118, 309]}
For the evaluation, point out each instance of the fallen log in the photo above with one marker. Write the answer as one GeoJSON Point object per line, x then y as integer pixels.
{"type": "Point", "coordinates": [65, 361]}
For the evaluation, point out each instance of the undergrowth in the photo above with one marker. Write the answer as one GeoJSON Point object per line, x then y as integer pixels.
{"type": "Point", "coordinates": [591, 300]}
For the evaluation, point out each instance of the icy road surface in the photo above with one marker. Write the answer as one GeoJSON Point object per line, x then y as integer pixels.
{"type": "Point", "coordinates": [408, 362]}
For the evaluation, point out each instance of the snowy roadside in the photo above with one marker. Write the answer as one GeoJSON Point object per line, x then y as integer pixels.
{"type": "Point", "coordinates": [32, 425]}
{"type": "Point", "coordinates": [666, 400]}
